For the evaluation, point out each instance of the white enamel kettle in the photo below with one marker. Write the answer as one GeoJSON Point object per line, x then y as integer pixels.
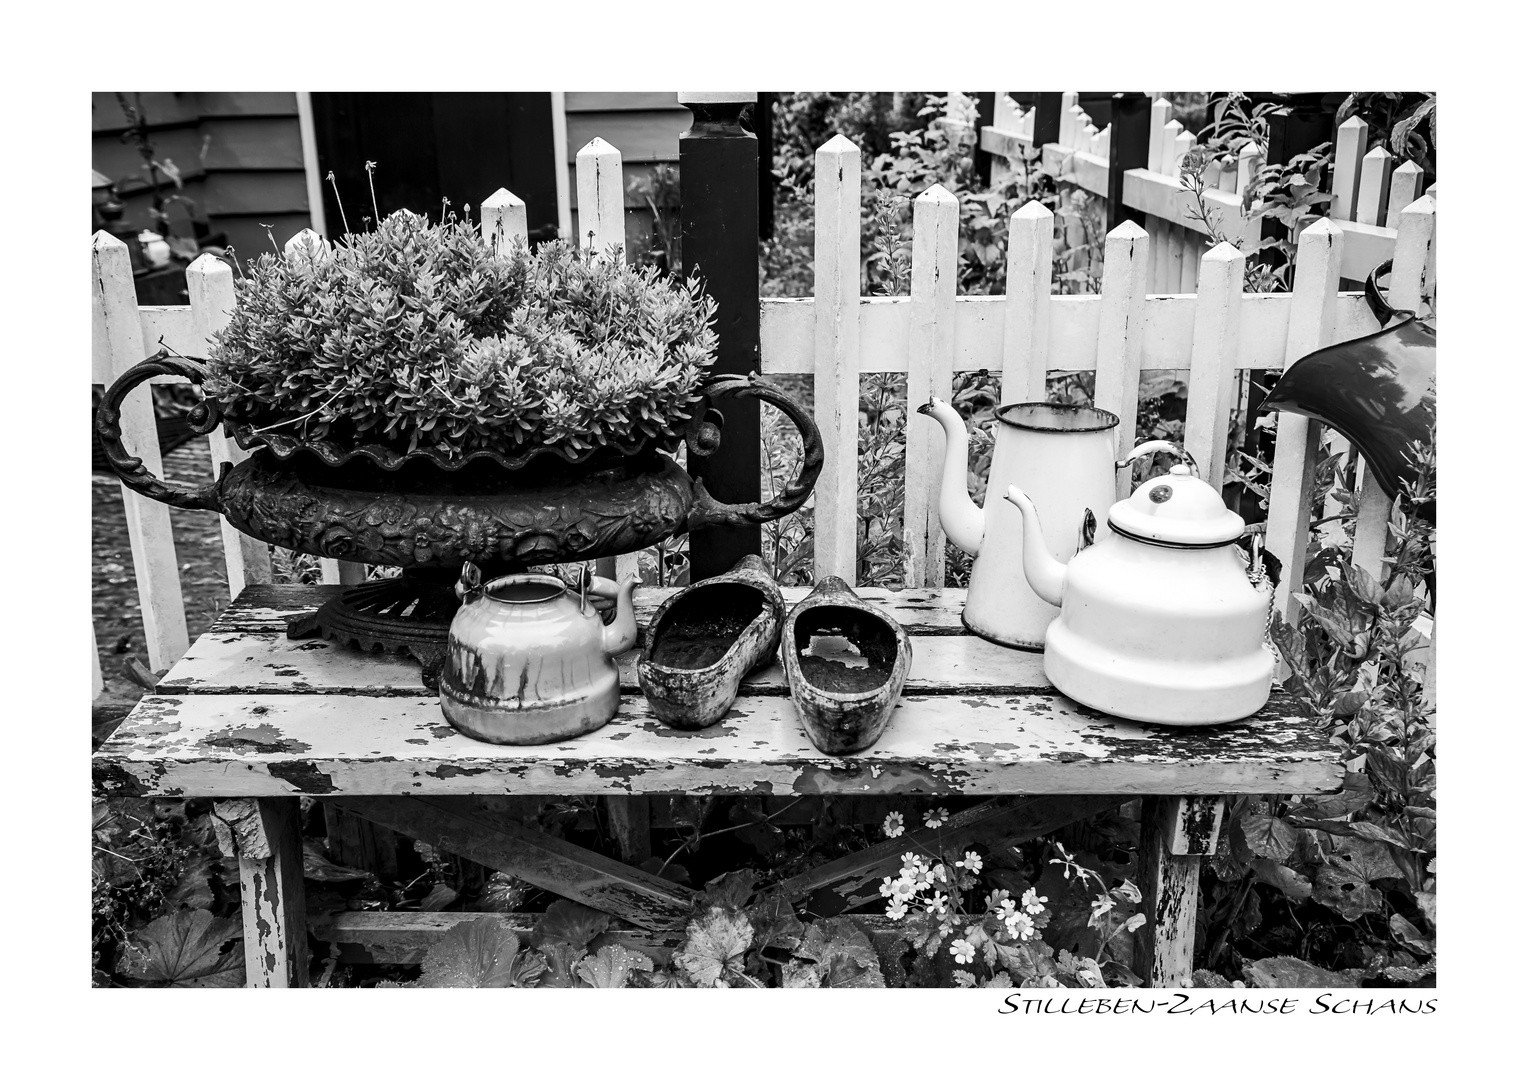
{"type": "Point", "coordinates": [1163, 619]}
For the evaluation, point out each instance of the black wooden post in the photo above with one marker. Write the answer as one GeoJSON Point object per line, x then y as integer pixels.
{"type": "Point", "coordinates": [1129, 143]}
{"type": "Point", "coordinates": [764, 131]}
{"type": "Point", "coordinates": [986, 110]}
{"type": "Point", "coordinates": [719, 239]}
{"type": "Point", "coordinates": [1047, 119]}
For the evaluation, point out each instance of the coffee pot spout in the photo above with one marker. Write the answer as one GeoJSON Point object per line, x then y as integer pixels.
{"type": "Point", "coordinates": [1046, 574]}
{"type": "Point", "coordinates": [959, 516]}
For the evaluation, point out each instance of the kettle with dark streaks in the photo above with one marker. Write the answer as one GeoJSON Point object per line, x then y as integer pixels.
{"type": "Point", "coordinates": [529, 660]}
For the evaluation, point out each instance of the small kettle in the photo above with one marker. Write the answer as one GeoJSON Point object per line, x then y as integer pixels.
{"type": "Point", "coordinates": [1162, 619]}
{"type": "Point", "coordinates": [530, 661]}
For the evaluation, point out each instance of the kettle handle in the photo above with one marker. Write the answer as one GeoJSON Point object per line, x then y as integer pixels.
{"type": "Point", "coordinates": [470, 583]}
{"type": "Point", "coordinates": [1159, 446]}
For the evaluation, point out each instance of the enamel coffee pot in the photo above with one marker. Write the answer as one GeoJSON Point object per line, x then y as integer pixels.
{"type": "Point", "coordinates": [1063, 456]}
{"type": "Point", "coordinates": [1163, 619]}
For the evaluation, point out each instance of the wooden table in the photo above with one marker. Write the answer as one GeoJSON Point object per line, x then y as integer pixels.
{"type": "Point", "coordinates": [255, 721]}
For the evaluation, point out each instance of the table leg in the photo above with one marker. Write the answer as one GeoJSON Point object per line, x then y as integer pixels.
{"type": "Point", "coordinates": [1176, 832]}
{"type": "Point", "coordinates": [631, 827]}
{"type": "Point", "coordinates": [266, 836]}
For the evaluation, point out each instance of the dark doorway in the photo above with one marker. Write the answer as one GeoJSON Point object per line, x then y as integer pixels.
{"type": "Point", "coordinates": [461, 146]}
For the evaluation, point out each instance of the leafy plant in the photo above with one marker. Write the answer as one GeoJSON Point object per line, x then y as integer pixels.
{"type": "Point", "coordinates": [418, 334]}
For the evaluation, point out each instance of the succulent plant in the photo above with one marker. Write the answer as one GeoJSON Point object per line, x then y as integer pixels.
{"type": "Point", "coordinates": [417, 334]}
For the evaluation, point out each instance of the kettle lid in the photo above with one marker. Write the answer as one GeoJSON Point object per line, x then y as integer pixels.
{"type": "Point", "coordinates": [1178, 510]}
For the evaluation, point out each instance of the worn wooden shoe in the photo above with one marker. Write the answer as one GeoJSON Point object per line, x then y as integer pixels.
{"type": "Point", "coordinates": [704, 639]}
{"type": "Point", "coordinates": [845, 662]}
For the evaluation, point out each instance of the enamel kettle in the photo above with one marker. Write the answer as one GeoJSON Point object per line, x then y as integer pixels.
{"type": "Point", "coordinates": [1163, 619]}
{"type": "Point", "coordinates": [529, 660]}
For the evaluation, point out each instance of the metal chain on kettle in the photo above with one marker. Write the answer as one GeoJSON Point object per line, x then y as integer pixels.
{"type": "Point", "coordinates": [1257, 573]}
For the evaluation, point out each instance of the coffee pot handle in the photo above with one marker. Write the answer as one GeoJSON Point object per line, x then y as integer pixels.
{"type": "Point", "coordinates": [1159, 446]}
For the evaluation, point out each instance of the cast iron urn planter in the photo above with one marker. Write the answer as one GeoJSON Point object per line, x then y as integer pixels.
{"type": "Point", "coordinates": [428, 514]}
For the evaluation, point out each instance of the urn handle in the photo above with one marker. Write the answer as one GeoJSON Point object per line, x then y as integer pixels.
{"type": "Point", "coordinates": [204, 417]}
{"type": "Point", "coordinates": [704, 436]}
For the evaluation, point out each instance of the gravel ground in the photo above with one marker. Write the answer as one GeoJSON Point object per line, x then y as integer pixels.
{"type": "Point", "coordinates": [114, 589]}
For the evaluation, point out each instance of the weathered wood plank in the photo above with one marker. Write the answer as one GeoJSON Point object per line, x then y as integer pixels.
{"type": "Point", "coordinates": [403, 937]}
{"type": "Point", "coordinates": [235, 663]}
{"type": "Point", "coordinates": [533, 856]}
{"type": "Point", "coordinates": [354, 841]}
{"type": "Point", "coordinates": [854, 879]}
{"type": "Point", "coordinates": [265, 834]}
{"type": "Point", "coordinates": [1068, 343]}
{"type": "Point", "coordinates": [332, 744]}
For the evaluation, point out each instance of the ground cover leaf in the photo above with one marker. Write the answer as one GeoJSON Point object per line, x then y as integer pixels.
{"type": "Point", "coordinates": [1288, 972]}
{"type": "Point", "coordinates": [185, 948]}
{"type": "Point", "coordinates": [480, 953]}
{"type": "Point", "coordinates": [611, 967]}
{"type": "Point", "coordinates": [843, 954]}
{"type": "Point", "coordinates": [714, 947]}
{"type": "Point", "coordinates": [572, 922]}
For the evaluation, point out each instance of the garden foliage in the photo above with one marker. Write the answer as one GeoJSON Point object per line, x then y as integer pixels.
{"type": "Point", "coordinates": [418, 334]}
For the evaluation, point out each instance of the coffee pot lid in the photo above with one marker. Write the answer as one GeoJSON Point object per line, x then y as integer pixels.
{"type": "Point", "coordinates": [1178, 510]}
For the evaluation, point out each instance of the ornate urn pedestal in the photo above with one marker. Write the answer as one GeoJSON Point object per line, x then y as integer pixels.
{"type": "Point", "coordinates": [428, 515]}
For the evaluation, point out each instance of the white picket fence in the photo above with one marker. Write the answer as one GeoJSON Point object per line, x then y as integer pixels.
{"type": "Point", "coordinates": [837, 335]}
{"type": "Point", "coordinates": [1369, 190]}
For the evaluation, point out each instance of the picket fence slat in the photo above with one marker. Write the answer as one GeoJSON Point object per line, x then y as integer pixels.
{"type": "Point", "coordinates": [835, 364]}
{"type": "Point", "coordinates": [1347, 164]}
{"type": "Point", "coordinates": [1373, 187]}
{"type": "Point", "coordinates": [601, 213]}
{"type": "Point", "coordinates": [1405, 189]}
{"type": "Point", "coordinates": [1161, 113]}
{"type": "Point", "coordinates": [119, 331]}
{"type": "Point", "coordinates": [602, 226]}
{"type": "Point", "coordinates": [1247, 164]}
{"type": "Point", "coordinates": [209, 286]}
{"type": "Point", "coordinates": [930, 368]}
{"type": "Point", "coordinates": [1407, 273]}
{"type": "Point", "coordinates": [1312, 317]}
{"type": "Point", "coordinates": [1212, 364]}
{"type": "Point", "coordinates": [1121, 325]}
{"type": "Point", "coordinates": [503, 220]}
{"type": "Point", "coordinates": [1026, 304]}
{"type": "Point", "coordinates": [1175, 251]}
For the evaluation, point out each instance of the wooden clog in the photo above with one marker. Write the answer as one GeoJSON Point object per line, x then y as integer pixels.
{"type": "Point", "coordinates": [704, 639]}
{"type": "Point", "coordinates": [845, 662]}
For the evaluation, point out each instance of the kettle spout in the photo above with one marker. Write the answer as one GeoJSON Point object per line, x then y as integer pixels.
{"type": "Point", "coordinates": [959, 516]}
{"type": "Point", "coordinates": [621, 633]}
{"type": "Point", "coordinates": [1046, 573]}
